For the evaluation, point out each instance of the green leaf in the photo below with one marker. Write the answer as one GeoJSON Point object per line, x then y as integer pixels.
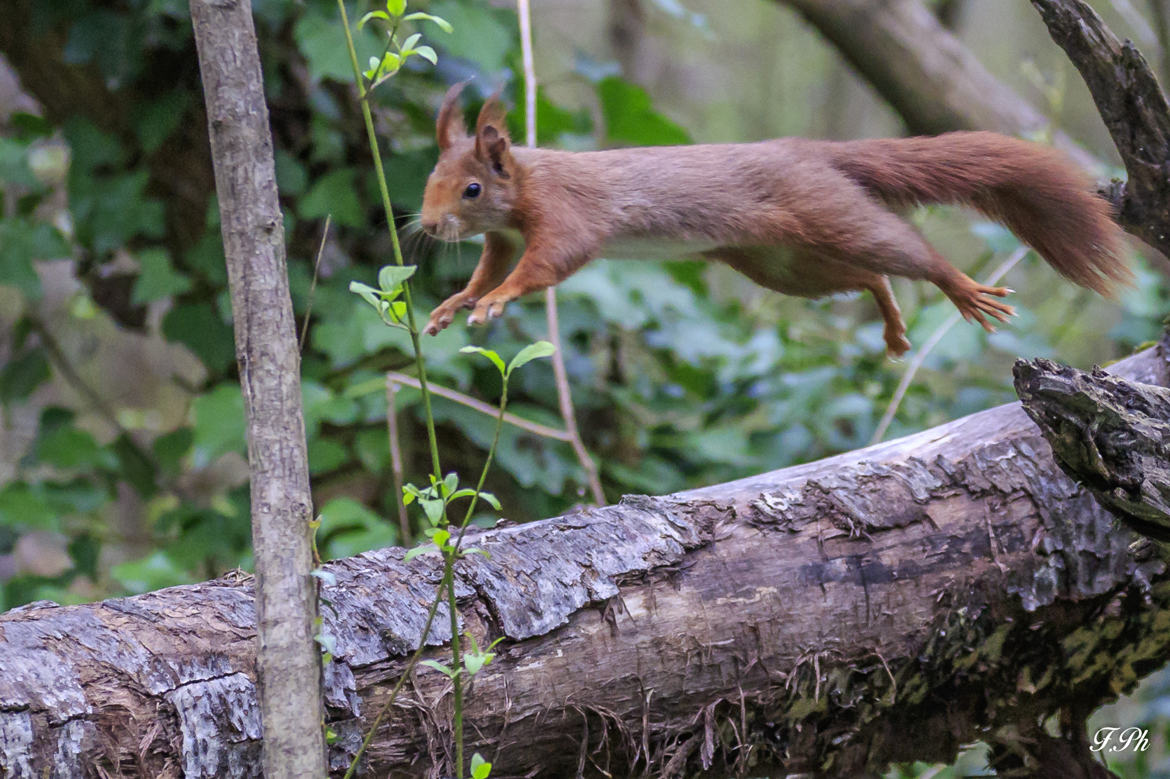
{"type": "Point", "coordinates": [373, 15]}
{"type": "Point", "coordinates": [198, 327]}
{"type": "Point", "coordinates": [438, 667]}
{"type": "Point", "coordinates": [474, 661]}
{"type": "Point", "coordinates": [352, 528]}
{"type": "Point", "coordinates": [475, 550]}
{"type": "Point", "coordinates": [369, 294]}
{"type": "Point", "coordinates": [450, 484]}
{"type": "Point", "coordinates": [480, 33]}
{"type": "Point", "coordinates": [334, 193]}
{"type": "Point", "coordinates": [529, 353]}
{"type": "Point", "coordinates": [488, 353]}
{"type": "Point", "coordinates": [170, 448]}
{"type": "Point", "coordinates": [415, 552]}
{"type": "Point", "coordinates": [291, 176]}
{"type": "Point", "coordinates": [444, 25]}
{"type": "Point", "coordinates": [427, 53]}
{"type": "Point", "coordinates": [391, 277]}
{"type": "Point", "coordinates": [328, 578]}
{"type": "Point", "coordinates": [152, 572]}
{"type": "Point", "coordinates": [323, 47]}
{"type": "Point", "coordinates": [396, 7]}
{"type": "Point", "coordinates": [22, 506]}
{"type": "Point", "coordinates": [112, 209]}
{"type": "Point", "coordinates": [480, 768]}
{"type": "Point", "coordinates": [433, 508]}
{"type": "Point", "coordinates": [20, 376]}
{"type": "Point", "coordinates": [440, 538]}
{"type": "Point", "coordinates": [71, 448]}
{"type": "Point", "coordinates": [155, 119]}
{"type": "Point", "coordinates": [629, 117]}
{"type": "Point", "coordinates": [322, 404]}
{"type": "Point", "coordinates": [22, 243]}
{"type": "Point", "coordinates": [325, 455]}
{"type": "Point", "coordinates": [157, 278]}
{"type": "Point", "coordinates": [408, 46]}
{"type": "Point", "coordinates": [371, 72]}
{"type": "Point", "coordinates": [390, 63]}
{"type": "Point", "coordinates": [387, 66]}
{"type": "Point", "coordinates": [219, 423]}
{"type": "Point", "coordinates": [134, 466]}
{"type": "Point", "coordinates": [487, 497]}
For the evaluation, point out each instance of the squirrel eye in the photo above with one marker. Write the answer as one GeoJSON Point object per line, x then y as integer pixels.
{"type": "Point", "coordinates": [472, 191]}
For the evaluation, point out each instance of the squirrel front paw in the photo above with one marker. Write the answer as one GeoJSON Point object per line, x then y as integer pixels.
{"type": "Point", "coordinates": [444, 313]}
{"type": "Point", "coordinates": [486, 310]}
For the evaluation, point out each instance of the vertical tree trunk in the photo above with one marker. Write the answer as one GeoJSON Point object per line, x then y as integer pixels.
{"type": "Point", "coordinates": [288, 663]}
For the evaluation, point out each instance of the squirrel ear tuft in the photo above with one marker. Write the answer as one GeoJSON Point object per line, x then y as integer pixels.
{"type": "Point", "coordinates": [491, 135]}
{"type": "Point", "coordinates": [449, 127]}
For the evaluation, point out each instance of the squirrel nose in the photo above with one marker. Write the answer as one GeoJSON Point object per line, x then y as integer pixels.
{"type": "Point", "coordinates": [430, 226]}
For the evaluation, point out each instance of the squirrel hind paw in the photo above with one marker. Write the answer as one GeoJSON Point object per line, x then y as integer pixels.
{"type": "Point", "coordinates": [977, 303]}
{"type": "Point", "coordinates": [896, 344]}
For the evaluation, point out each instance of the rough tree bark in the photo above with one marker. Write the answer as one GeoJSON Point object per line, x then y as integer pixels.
{"type": "Point", "coordinates": [288, 667]}
{"type": "Point", "coordinates": [1113, 436]}
{"type": "Point", "coordinates": [889, 604]}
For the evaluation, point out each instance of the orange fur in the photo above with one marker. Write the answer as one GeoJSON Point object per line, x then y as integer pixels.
{"type": "Point", "coordinates": [798, 216]}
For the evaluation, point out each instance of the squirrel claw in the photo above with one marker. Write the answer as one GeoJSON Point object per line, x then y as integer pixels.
{"type": "Point", "coordinates": [485, 311]}
{"type": "Point", "coordinates": [438, 321]}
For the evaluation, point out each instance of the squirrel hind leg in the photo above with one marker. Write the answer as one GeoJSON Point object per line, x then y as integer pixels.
{"type": "Point", "coordinates": [895, 332]}
{"type": "Point", "coordinates": [812, 274]}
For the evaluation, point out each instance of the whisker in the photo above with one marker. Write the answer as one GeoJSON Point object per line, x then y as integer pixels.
{"type": "Point", "coordinates": [413, 224]}
{"type": "Point", "coordinates": [414, 242]}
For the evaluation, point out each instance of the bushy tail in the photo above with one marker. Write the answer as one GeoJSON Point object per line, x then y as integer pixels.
{"type": "Point", "coordinates": [1031, 189]}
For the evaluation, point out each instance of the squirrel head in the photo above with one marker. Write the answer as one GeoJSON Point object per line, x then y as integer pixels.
{"type": "Point", "coordinates": [473, 186]}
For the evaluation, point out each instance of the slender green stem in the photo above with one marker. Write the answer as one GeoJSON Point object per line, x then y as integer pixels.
{"type": "Point", "coordinates": [452, 556]}
{"type": "Point", "coordinates": [447, 584]}
{"type": "Point", "coordinates": [487, 464]}
{"type": "Point", "coordinates": [389, 42]}
{"type": "Point", "coordinates": [456, 665]}
{"type": "Point", "coordinates": [410, 664]}
{"type": "Point", "coordinates": [384, 191]}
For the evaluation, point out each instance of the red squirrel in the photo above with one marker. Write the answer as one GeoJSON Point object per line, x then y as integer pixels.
{"type": "Point", "coordinates": [802, 217]}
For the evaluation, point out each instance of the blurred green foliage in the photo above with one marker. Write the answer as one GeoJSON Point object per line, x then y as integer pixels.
{"type": "Point", "coordinates": [683, 374]}
{"type": "Point", "coordinates": [122, 467]}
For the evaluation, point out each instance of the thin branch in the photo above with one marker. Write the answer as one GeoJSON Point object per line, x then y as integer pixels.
{"type": "Point", "coordinates": [396, 469]}
{"type": "Point", "coordinates": [1159, 11]}
{"type": "Point", "coordinates": [926, 73]}
{"type": "Point", "coordinates": [935, 337]}
{"type": "Point", "coordinates": [525, 14]}
{"type": "Point", "coordinates": [1137, 23]}
{"type": "Point", "coordinates": [560, 374]}
{"type": "Point", "coordinates": [1133, 107]}
{"type": "Point", "coordinates": [313, 285]}
{"type": "Point", "coordinates": [288, 661]}
{"type": "Point", "coordinates": [532, 427]}
{"type": "Point", "coordinates": [72, 377]}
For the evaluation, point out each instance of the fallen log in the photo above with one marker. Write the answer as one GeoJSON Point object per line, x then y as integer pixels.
{"type": "Point", "coordinates": [889, 604]}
